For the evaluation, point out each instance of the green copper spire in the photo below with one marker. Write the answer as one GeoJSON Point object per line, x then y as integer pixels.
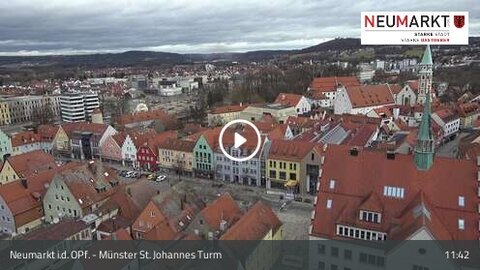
{"type": "Point", "coordinates": [424, 148]}
{"type": "Point", "coordinates": [427, 56]}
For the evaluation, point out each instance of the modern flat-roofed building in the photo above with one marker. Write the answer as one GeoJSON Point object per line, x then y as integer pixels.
{"type": "Point", "coordinates": [78, 107]}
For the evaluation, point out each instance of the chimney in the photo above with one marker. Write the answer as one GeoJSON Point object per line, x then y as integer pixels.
{"type": "Point", "coordinates": [24, 183]}
{"type": "Point", "coordinates": [354, 151]}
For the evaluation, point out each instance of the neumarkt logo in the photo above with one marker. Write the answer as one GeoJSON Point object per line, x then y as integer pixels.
{"type": "Point", "coordinates": [406, 21]}
{"type": "Point", "coordinates": [414, 28]}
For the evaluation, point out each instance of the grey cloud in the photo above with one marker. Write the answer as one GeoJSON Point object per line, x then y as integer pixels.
{"type": "Point", "coordinates": [190, 26]}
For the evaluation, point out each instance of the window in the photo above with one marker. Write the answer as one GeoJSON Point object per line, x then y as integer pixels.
{"type": "Point", "coordinates": [363, 258]}
{"type": "Point", "coordinates": [321, 249]}
{"type": "Point", "coordinates": [334, 251]}
{"type": "Point", "coordinates": [293, 176]}
{"type": "Point", "coordinates": [395, 192]}
{"type": "Point", "coordinates": [333, 267]}
{"type": "Point", "coordinates": [461, 201]}
{"type": "Point", "coordinates": [313, 156]}
{"type": "Point", "coordinates": [347, 254]}
{"type": "Point", "coordinates": [332, 184]}
{"type": "Point", "coordinates": [321, 265]}
{"type": "Point", "coordinates": [329, 204]}
{"type": "Point", "coordinates": [273, 174]}
{"type": "Point", "coordinates": [283, 175]}
{"type": "Point", "coordinates": [461, 224]}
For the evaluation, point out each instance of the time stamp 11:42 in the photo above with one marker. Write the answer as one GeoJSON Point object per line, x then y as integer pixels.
{"type": "Point", "coordinates": [457, 255]}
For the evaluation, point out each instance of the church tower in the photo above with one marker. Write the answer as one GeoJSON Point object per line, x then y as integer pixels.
{"type": "Point", "coordinates": [424, 148]}
{"type": "Point", "coordinates": [426, 76]}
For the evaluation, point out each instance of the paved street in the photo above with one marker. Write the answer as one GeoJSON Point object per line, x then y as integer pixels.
{"type": "Point", "coordinates": [450, 149]}
{"type": "Point", "coordinates": [295, 216]}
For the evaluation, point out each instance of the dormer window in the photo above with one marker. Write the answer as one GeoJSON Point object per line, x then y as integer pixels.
{"type": "Point", "coordinates": [369, 216]}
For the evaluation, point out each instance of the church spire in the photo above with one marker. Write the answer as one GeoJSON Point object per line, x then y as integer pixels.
{"type": "Point", "coordinates": [427, 57]}
{"type": "Point", "coordinates": [426, 76]}
{"type": "Point", "coordinates": [424, 148]}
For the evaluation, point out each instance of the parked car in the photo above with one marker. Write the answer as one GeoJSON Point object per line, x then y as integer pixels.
{"type": "Point", "coordinates": [161, 178]}
{"type": "Point", "coordinates": [130, 174]}
{"type": "Point", "coordinates": [123, 173]}
{"type": "Point", "coordinates": [152, 176]}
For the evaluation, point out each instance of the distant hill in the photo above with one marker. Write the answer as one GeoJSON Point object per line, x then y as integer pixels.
{"type": "Point", "coordinates": [338, 44]}
{"type": "Point", "coordinates": [150, 58]}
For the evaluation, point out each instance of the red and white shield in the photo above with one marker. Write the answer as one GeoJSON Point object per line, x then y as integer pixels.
{"type": "Point", "coordinates": [459, 21]}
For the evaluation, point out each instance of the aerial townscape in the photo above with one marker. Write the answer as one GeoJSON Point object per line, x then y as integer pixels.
{"type": "Point", "coordinates": [356, 142]}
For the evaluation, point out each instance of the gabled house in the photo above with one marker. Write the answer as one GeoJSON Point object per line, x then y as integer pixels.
{"type": "Point", "coordinates": [323, 90]}
{"type": "Point", "coordinates": [293, 166]}
{"type": "Point", "coordinates": [79, 191]}
{"type": "Point", "coordinates": [448, 120]}
{"type": "Point", "coordinates": [21, 207]}
{"type": "Point", "coordinates": [147, 153]}
{"type": "Point", "coordinates": [166, 216]}
{"type": "Point", "coordinates": [203, 153]}
{"type": "Point", "coordinates": [408, 94]}
{"type": "Point", "coordinates": [258, 223]}
{"type": "Point", "coordinates": [362, 99]}
{"type": "Point", "coordinates": [111, 149]}
{"type": "Point", "coordinates": [48, 134]}
{"type": "Point", "coordinates": [24, 165]}
{"type": "Point", "coordinates": [301, 104]}
{"type": "Point", "coordinates": [216, 218]}
{"type": "Point", "coordinates": [177, 155]}
{"type": "Point", "coordinates": [86, 138]}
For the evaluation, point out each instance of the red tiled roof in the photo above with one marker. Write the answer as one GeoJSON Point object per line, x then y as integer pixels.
{"type": "Point", "coordinates": [31, 163]}
{"type": "Point", "coordinates": [329, 84]}
{"type": "Point", "coordinates": [290, 150]}
{"type": "Point", "coordinates": [395, 88]}
{"type": "Point", "coordinates": [223, 208]}
{"type": "Point", "coordinates": [60, 231]}
{"type": "Point", "coordinates": [138, 117]}
{"type": "Point", "coordinates": [155, 141]}
{"type": "Point", "coordinates": [255, 224]}
{"type": "Point", "coordinates": [413, 84]}
{"type": "Point", "coordinates": [95, 128]}
{"type": "Point", "coordinates": [369, 95]}
{"type": "Point", "coordinates": [467, 109]}
{"type": "Point", "coordinates": [25, 137]}
{"type": "Point", "coordinates": [177, 145]}
{"type": "Point", "coordinates": [288, 99]}
{"type": "Point", "coordinates": [119, 138]}
{"type": "Point", "coordinates": [83, 182]}
{"type": "Point", "coordinates": [47, 132]}
{"type": "Point", "coordinates": [228, 109]}
{"type": "Point", "coordinates": [371, 171]}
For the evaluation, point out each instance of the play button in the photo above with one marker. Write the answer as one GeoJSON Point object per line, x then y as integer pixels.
{"type": "Point", "coordinates": [239, 140]}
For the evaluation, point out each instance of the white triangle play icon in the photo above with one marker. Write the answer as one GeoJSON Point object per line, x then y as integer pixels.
{"type": "Point", "coordinates": [239, 140]}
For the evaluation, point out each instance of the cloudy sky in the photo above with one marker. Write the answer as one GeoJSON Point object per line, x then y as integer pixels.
{"type": "Point", "coordinates": [31, 27]}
